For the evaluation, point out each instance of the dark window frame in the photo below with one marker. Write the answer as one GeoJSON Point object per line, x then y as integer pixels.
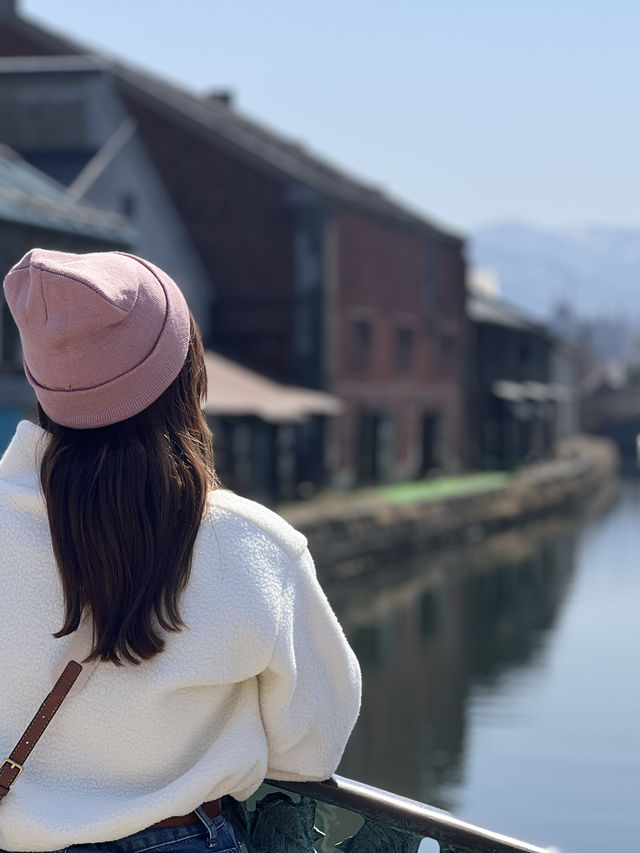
{"type": "Point", "coordinates": [360, 344]}
{"type": "Point", "coordinates": [404, 353]}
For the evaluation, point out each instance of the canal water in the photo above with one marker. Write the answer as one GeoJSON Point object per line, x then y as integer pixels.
{"type": "Point", "coordinates": [502, 680]}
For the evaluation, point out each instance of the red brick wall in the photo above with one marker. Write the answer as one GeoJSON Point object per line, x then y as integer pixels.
{"type": "Point", "coordinates": [381, 272]}
{"type": "Point", "coordinates": [244, 233]}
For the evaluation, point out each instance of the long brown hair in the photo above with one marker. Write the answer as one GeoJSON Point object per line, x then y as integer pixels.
{"type": "Point", "coordinates": [125, 503]}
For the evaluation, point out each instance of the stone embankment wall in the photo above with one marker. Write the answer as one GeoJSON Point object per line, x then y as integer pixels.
{"type": "Point", "coordinates": [585, 470]}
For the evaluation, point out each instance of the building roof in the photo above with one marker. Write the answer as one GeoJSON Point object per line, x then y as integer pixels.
{"type": "Point", "coordinates": [29, 197]}
{"type": "Point", "coordinates": [494, 312]}
{"type": "Point", "coordinates": [222, 123]}
{"type": "Point", "coordinates": [235, 391]}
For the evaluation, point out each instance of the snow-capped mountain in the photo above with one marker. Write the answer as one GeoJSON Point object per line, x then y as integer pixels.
{"type": "Point", "coordinates": [596, 270]}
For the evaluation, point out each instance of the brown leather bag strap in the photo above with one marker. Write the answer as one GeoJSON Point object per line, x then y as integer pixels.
{"type": "Point", "coordinates": [11, 768]}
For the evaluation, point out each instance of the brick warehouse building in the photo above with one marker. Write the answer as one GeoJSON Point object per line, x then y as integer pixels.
{"type": "Point", "coordinates": [291, 266]}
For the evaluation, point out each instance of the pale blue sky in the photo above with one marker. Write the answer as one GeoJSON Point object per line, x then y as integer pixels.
{"type": "Point", "coordinates": [472, 111]}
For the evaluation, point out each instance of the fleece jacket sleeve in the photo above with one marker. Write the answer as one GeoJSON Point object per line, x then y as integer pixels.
{"type": "Point", "coordinates": [310, 692]}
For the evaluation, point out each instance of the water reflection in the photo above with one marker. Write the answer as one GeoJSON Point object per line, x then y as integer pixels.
{"type": "Point", "coordinates": [442, 627]}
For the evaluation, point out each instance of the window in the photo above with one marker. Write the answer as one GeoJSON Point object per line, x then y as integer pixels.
{"type": "Point", "coordinates": [128, 205]}
{"type": "Point", "coordinates": [524, 361]}
{"type": "Point", "coordinates": [404, 349]}
{"type": "Point", "coordinates": [360, 344]}
{"type": "Point", "coordinates": [430, 303]}
{"type": "Point", "coordinates": [446, 354]}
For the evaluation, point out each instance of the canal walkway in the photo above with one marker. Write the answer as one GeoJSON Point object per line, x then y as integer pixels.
{"type": "Point", "coordinates": [346, 527]}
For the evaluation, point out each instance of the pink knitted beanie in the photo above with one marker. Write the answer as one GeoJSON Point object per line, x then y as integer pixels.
{"type": "Point", "coordinates": [103, 335]}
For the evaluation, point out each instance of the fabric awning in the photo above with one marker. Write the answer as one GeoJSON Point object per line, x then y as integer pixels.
{"type": "Point", "coordinates": [235, 391]}
{"type": "Point", "coordinates": [539, 392]}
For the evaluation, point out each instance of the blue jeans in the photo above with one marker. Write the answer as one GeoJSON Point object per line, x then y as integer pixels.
{"type": "Point", "coordinates": [210, 835]}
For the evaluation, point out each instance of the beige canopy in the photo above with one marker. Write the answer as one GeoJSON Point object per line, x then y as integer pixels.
{"type": "Point", "coordinates": [234, 391]}
{"type": "Point", "coordinates": [535, 391]}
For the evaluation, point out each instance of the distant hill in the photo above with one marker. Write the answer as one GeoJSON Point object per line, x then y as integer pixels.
{"type": "Point", "coordinates": [596, 269]}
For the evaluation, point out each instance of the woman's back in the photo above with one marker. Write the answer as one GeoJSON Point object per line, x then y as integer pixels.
{"type": "Point", "coordinates": [204, 718]}
{"type": "Point", "coordinates": [216, 658]}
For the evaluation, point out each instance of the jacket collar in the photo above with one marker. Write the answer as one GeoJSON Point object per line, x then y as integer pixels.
{"type": "Point", "coordinates": [20, 463]}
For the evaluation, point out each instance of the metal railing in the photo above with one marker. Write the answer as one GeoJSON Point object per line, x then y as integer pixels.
{"type": "Point", "coordinates": [390, 822]}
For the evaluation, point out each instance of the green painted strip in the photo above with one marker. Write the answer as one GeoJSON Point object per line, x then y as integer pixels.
{"type": "Point", "coordinates": [443, 487]}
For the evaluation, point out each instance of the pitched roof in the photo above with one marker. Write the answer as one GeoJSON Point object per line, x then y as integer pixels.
{"type": "Point", "coordinates": [492, 311]}
{"type": "Point", "coordinates": [225, 125]}
{"type": "Point", "coordinates": [236, 391]}
{"type": "Point", "coordinates": [29, 197]}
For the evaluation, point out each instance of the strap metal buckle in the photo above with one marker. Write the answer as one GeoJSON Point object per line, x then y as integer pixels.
{"type": "Point", "coordinates": [13, 764]}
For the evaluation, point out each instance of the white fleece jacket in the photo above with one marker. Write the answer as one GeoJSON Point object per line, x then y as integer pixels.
{"type": "Point", "coordinates": [263, 682]}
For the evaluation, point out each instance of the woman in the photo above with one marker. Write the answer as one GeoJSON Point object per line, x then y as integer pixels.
{"type": "Point", "coordinates": [219, 660]}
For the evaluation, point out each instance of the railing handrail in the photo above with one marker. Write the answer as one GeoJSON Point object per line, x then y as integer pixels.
{"type": "Point", "coordinates": [409, 815]}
